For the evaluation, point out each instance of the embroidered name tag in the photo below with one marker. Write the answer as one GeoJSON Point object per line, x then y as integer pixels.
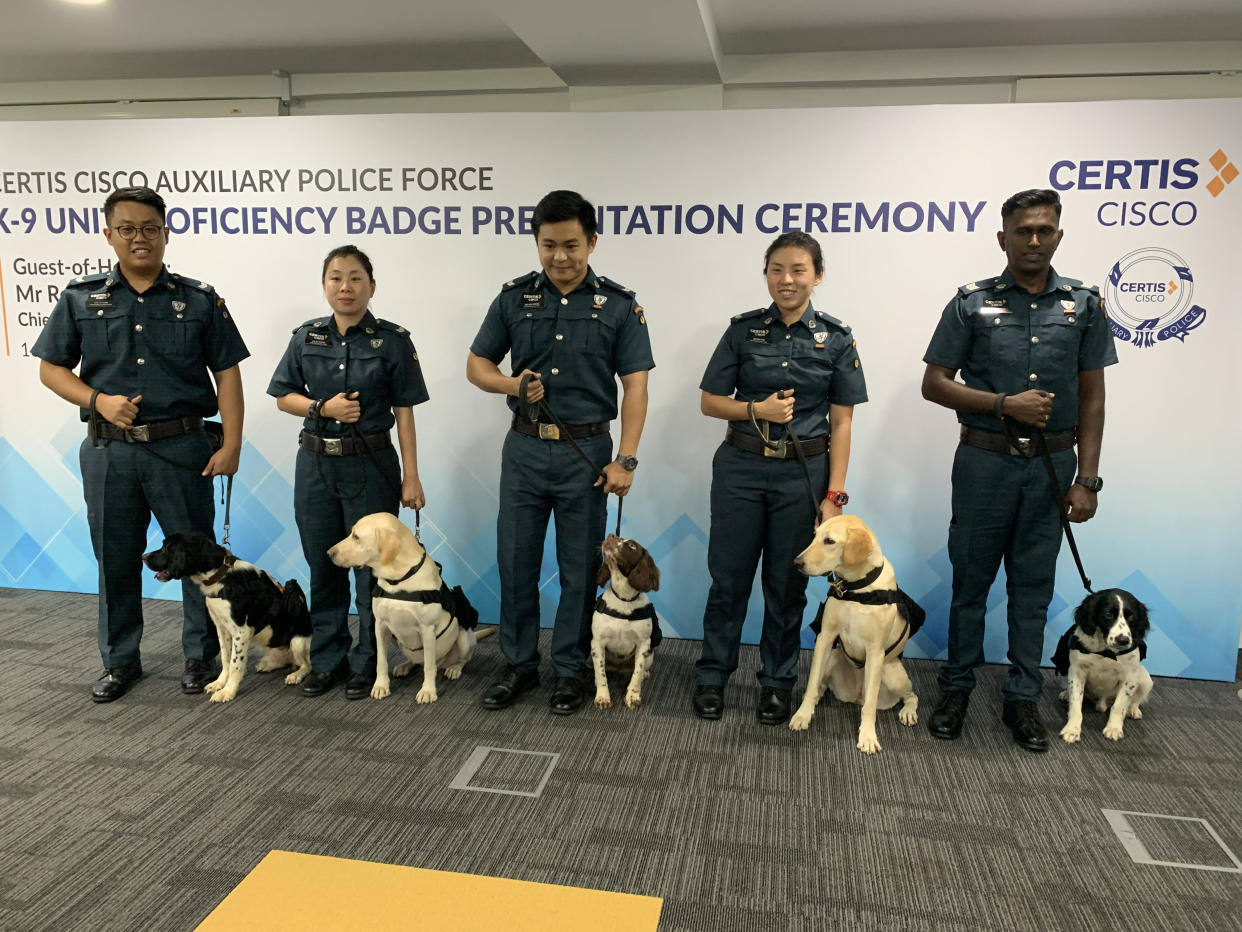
{"type": "Point", "coordinates": [100, 299]}
{"type": "Point", "coordinates": [317, 338]}
{"type": "Point", "coordinates": [760, 335]}
{"type": "Point", "coordinates": [995, 302]}
{"type": "Point", "coordinates": [532, 301]}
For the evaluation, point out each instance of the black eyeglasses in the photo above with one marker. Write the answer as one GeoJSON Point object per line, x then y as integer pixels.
{"type": "Point", "coordinates": [148, 230]}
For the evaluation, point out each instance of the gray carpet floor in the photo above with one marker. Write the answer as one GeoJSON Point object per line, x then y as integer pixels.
{"type": "Point", "coordinates": [144, 813]}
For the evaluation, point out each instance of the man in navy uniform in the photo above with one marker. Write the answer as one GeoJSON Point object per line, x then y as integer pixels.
{"type": "Point", "coordinates": [572, 333]}
{"type": "Point", "coordinates": [146, 339]}
{"type": "Point", "coordinates": [1031, 347]}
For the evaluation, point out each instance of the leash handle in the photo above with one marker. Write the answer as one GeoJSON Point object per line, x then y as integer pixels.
{"type": "Point", "coordinates": [228, 504]}
{"type": "Point", "coordinates": [792, 436]}
{"type": "Point", "coordinates": [418, 521]}
{"type": "Point", "coordinates": [1057, 495]}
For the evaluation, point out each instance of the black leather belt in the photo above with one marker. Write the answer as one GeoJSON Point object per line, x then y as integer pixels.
{"type": "Point", "coordinates": [342, 446]}
{"type": "Point", "coordinates": [145, 433]}
{"type": "Point", "coordinates": [785, 449]}
{"type": "Point", "coordinates": [998, 443]}
{"type": "Point", "coordinates": [552, 432]}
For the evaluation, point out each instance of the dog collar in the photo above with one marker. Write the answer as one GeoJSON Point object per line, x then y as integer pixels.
{"type": "Point", "coordinates": [223, 571]}
{"type": "Point", "coordinates": [1071, 641]}
{"type": "Point", "coordinates": [1139, 646]}
{"type": "Point", "coordinates": [647, 611]}
{"type": "Point", "coordinates": [839, 585]}
{"type": "Point", "coordinates": [393, 582]}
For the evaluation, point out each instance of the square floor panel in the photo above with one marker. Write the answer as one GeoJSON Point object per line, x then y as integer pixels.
{"type": "Point", "coordinates": [1172, 841]}
{"type": "Point", "coordinates": [503, 770]}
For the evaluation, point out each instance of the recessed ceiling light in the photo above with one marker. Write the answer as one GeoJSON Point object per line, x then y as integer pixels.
{"type": "Point", "coordinates": [85, 2]}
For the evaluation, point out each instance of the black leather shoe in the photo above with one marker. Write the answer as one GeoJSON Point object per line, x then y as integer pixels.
{"type": "Point", "coordinates": [509, 687]}
{"type": "Point", "coordinates": [774, 706]}
{"type": "Point", "coordinates": [358, 686]}
{"type": "Point", "coordinates": [115, 682]}
{"type": "Point", "coordinates": [316, 684]}
{"type": "Point", "coordinates": [946, 721]}
{"type": "Point", "coordinates": [1023, 720]}
{"type": "Point", "coordinates": [198, 673]}
{"type": "Point", "coordinates": [567, 695]}
{"type": "Point", "coordinates": [708, 701]}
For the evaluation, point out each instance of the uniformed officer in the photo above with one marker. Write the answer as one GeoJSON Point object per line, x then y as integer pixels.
{"type": "Point", "coordinates": [573, 333]}
{"type": "Point", "coordinates": [1032, 347]}
{"type": "Point", "coordinates": [786, 364]}
{"type": "Point", "coordinates": [146, 339]}
{"type": "Point", "coordinates": [349, 376]}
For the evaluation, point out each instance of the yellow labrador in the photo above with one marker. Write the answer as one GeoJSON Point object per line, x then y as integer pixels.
{"type": "Point", "coordinates": [863, 632]}
{"type": "Point", "coordinates": [431, 624]}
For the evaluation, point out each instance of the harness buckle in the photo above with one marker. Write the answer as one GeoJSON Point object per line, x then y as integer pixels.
{"type": "Point", "coordinates": [837, 585]}
{"type": "Point", "coordinates": [332, 446]}
{"type": "Point", "coordinates": [778, 451]}
{"type": "Point", "coordinates": [139, 434]}
{"type": "Point", "coordinates": [549, 432]}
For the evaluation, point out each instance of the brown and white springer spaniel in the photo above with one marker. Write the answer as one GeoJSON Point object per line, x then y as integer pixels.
{"type": "Point", "coordinates": [624, 628]}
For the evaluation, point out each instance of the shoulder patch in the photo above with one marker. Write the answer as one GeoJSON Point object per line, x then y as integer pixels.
{"type": "Point", "coordinates": [520, 281]}
{"type": "Point", "coordinates": [600, 280]}
{"type": "Point", "coordinates": [88, 281]}
{"type": "Point", "coordinates": [979, 285]}
{"type": "Point", "coordinates": [749, 314]}
{"type": "Point", "coordinates": [389, 325]}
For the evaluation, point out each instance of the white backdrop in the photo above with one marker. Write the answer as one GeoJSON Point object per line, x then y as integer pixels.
{"type": "Point", "coordinates": [905, 201]}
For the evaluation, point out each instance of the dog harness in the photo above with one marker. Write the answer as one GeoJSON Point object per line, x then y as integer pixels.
{"type": "Point", "coordinates": [1071, 641]}
{"type": "Point", "coordinates": [647, 611]}
{"type": "Point", "coordinates": [911, 612]}
{"type": "Point", "coordinates": [453, 601]}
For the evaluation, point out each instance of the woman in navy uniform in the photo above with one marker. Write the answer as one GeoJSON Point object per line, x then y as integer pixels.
{"type": "Point", "coordinates": [787, 364]}
{"type": "Point", "coordinates": [350, 376]}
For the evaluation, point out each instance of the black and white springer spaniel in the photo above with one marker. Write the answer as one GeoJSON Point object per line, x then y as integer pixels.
{"type": "Point", "coordinates": [624, 626]}
{"type": "Point", "coordinates": [246, 605]}
{"type": "Point", "coordinates": [1102, 655]}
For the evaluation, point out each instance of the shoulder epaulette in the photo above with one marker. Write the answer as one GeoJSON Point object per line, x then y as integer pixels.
{"type": "Point", "coordinates": [982, 283]}
{"type": "Point", "coordinates": [608, 283]}
{"type": "Point", "coordinates": [389, 325]}
{"type": "Point", "coordinates": [88, 281]}
{"type": "Point", "coordinates": [832, 321]}
{"type": "Point", "coordinates": [749, 314]}
{"type": "Point", "coordinates": [312, 323]}
{"type": "Point", "coordinates": [1073, 284]}
{"type": "Point", "coordinates": [520, 281]}
{"type": "Point", "coordinates": [191, 282]}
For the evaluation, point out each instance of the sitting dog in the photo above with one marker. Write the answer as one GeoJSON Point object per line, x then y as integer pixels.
{"type": "Point", "coordinates": [432, 624]}
{"type": "Point", "coordinates": [862, 629]}
{"type": "Point", "coordinates": [624, 628]}
{"type": "Point", "coordinates": [246, 606]}
{"type": "Point", "coordinates": [1102, 656]}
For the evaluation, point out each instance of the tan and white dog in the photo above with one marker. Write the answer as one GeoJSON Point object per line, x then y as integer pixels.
{"type": "Point", "coordinates": [862, 634]}
{"type": "Point", "coordinates": [624, 628]}
{"type": "Point", "coordinates": [410, 601]}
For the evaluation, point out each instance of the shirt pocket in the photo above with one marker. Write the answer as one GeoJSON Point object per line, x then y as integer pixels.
{"type": "Point", "coordinates": [763, 370]}
{"type": "Point", "coordinates": [178, 335]}
{"type": "Point", "coordinates": [1058, 337]}
{"type": "Point", "coordinates": [369, 371]}
{"type": "Point", "coordinates": [1004, 339]}
{"type": "Point", "coordinates": [532, 332]}
{"type": "Point", "coordinates": [590, 332]}
{"type": "Point", "coordinates": [814, 370]}
{"type": "Point", "coordinates": [103, 330]}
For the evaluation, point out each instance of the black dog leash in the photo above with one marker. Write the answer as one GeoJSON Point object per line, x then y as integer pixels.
{"type": "Point", "coordinates": [534, 407]}
{"type": "Point", "coordinates": [1037, 437]}
{"type": "Point", "coordinates": [797, 445]}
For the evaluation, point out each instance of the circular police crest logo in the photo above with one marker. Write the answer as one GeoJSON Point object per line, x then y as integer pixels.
{"type": "Point", "coordinates": [1149, 297]}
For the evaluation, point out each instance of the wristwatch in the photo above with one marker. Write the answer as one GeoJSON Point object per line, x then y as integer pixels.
{"type": "Point", "coordinates": [839, 499]}
{"type": "Point", "coordinates": [627, 462]}
{"type": "Point", "coordinates": [1090, 483]}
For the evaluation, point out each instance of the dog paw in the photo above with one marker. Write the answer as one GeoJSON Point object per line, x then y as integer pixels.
{"type": "Point", "coordinates": [801, 721]}
{"type": "Point", "coordinates": [603, 701]}
{"type": "Point", "coordinates": [1063, 695]}
{"type": "Point", "coordinates": [1113, 732]}
{"type": "Point", "coordinates": [266, 666]}
{"type": "Point", "coordinates": [403, 669]}
{"type": "Point", "coordinates": [908, 717]}
{"type": "Point", "coordinates": [213, 686]}
{"type": "Point", "coordinates": [633, 699]}
{"type": "Point", "coordinates": [223, 695]}
{"type": "Point", "coordinates": [1102, 705]}
{"type": "Point", "coordinates": [868, 744]}
{"type": "Point", "coordinates": [295, 677]}
{"type": "Point", "coordinates": [1134, 712]}
{"type": "Point", "coordinates": [453, 672]}
{"type": "Point", "coordinates": [426, 694]}
{"type": "Point", "coordinates": [380, 692]}
{"type": "Point", "coordinates": [1071, 733]}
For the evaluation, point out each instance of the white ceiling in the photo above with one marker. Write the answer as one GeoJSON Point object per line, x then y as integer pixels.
{"type": "Point", "coordinates": [585, 42]}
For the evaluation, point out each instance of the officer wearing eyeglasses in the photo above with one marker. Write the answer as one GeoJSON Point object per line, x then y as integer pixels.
{"type": "Point", "coordinates": [159, 352]}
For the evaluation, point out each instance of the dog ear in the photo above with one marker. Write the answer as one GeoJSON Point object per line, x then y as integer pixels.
{"type": "Point", "coordinates": [388, 545]}
{"type": "Point", "coordinates": [858, 546]}
{"type": "Point", "coordinates": [1141, 623]}
{"type": "Point", "coordinates": [1085, 613]}
{"type": "Point", "coordinates": [602, 577]}
{"type": "Point", "coordinates": [645, 577]}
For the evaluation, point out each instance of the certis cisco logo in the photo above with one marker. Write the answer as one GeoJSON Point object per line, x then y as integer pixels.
{"type": "Point", "coordinates": [1150, 298]}
{"type": "Point", "coordinates": [1171, 187]}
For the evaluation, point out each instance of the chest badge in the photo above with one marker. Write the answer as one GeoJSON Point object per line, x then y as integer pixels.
{"type": "Point", "coordinates": [377, 343]}
{"type": "Point", "coordinates": [820, 338]}
{"type": "Point", "coordinates": [178, 306]}
{"type": "Point", "coordinates": [1068, 306]}
{"type": "Point", "coordinates": [600, 299]}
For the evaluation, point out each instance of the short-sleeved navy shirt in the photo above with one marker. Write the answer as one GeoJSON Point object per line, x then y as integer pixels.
{"type": "Point", "coordinates": [817, 357]}
{"type": "Point", "coordinates": [374, 357]}
{"type": "Point", "coordinates": [578, 343]}
{"type": "Point", "coordinates": [160, 344]}
{"type": "Point", "coordinates": [1005, 339]}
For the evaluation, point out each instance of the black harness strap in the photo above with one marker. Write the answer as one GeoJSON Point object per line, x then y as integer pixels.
{"type": "Point", "coordinates": [911, 612]}
{"type": "Point", "coordinates": [641, 614]}
{"type": "Point", "coordinates": [1071, 641]}
{"type": "Point", "coordinates": [413, 570]}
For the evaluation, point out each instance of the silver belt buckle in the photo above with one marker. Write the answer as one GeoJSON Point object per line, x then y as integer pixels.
{"type": "Point", "coordinates": [1023, 448]}
{"type": "Point", "coordinates": [332, 446]}
{"type": "Point", "coordinates": [549, 432]}
{"type": "Point", "coordinates": [139, 434]}
{"type": "Point", "coordinates": [779, 452]}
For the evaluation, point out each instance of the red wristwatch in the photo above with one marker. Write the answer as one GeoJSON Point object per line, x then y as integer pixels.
{"type": "Point", "coordinates": [840, 499]}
